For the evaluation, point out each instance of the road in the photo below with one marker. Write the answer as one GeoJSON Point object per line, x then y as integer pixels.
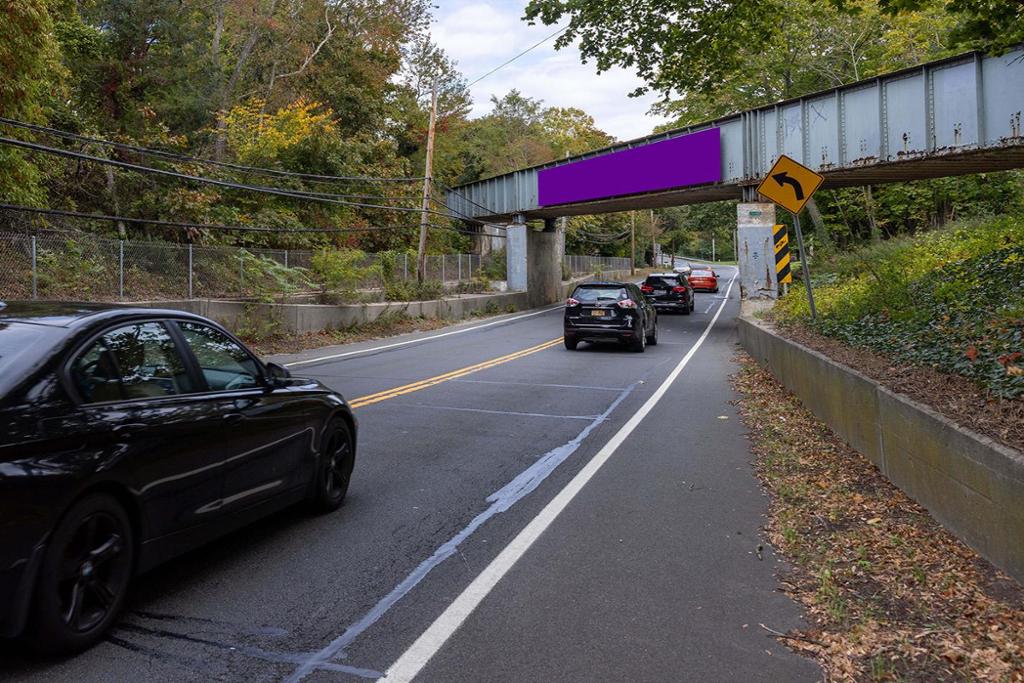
{"type": "Point", "coordinates": [518, 512]}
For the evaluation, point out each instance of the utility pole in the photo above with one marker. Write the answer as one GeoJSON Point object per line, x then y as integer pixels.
{"type": "Point", "coordinates": [421, 252]}
{"type": "Point", "coordinates": [632, 242]}
{"type": "Point", "coordinates": [654, 242]}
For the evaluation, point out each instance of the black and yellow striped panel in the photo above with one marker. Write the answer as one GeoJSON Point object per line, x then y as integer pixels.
{"type": "Point", "coordinates": [782, 272]}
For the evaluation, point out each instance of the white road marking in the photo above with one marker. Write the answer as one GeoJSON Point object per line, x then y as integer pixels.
{"type": "Point", "coordinates": [346, 354]}
{"type": "Point", "coordinates": [437, 634]}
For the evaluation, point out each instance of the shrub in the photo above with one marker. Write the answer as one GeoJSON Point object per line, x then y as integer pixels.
{"type": "Point", "coordinates": [951, 300]}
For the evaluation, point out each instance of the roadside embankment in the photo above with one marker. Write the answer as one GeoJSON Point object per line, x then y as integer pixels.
{"type": "Point", "coordinates": [970, 483]}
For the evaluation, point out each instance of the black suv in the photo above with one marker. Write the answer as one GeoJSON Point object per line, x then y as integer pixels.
{"type": "Point", "coordinates": [615, 311]}
{"type": "Point", "coordinates": [669, 291]}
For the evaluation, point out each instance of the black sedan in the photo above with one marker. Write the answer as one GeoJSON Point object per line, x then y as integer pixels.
{"type": "Point", "coordinates": [669, 292]}
{"type": "Point", "coordinates": [129, 436]}
{"type": "Point", "coordinates": [601, 311]}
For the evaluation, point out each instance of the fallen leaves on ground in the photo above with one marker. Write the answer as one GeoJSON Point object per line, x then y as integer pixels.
{"type": "Point", "coordinates": [891, 594]}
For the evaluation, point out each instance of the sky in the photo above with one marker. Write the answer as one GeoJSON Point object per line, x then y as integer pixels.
{"type": "Point", "coordinates": [481, 34]}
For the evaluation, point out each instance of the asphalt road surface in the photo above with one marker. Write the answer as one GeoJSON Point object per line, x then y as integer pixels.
{"type": "Point", "coordinates": [518, 512]}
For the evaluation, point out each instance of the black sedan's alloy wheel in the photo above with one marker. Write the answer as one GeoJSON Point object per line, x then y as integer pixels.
{"type": "Point", "coordinates": [335, 471]}
{"type": "Point", "coordinates": [84, 577]}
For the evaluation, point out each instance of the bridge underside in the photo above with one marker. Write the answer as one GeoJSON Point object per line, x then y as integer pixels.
{"type": "Point", "coordinates": [916, 167]}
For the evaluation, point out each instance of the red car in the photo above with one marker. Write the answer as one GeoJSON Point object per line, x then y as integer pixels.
{"type": "Point", "coordinates": [704, 280]}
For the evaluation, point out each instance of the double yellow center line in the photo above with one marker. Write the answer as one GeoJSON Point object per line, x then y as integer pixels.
{"type": "Point", "coordinates": [448, 376]}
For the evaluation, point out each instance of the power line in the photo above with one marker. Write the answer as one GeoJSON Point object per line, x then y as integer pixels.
{"type": "Point", "coordinates": [208, 226]}
{"type": "Point", "coordinates": [209, 181]}
{"type": "Point", "coordinates": [458, 215]}
{"type": "Point", "coordinates": [502, 66]}
{"type": "Point", "coordinates": [199, 160]}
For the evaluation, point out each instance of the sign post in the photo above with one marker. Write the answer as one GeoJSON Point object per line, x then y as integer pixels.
{"type": "Point", "coordinates": [790, 185]}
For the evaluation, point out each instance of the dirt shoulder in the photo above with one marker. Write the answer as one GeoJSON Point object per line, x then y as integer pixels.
{"type": "Point", "coordinates": [890, 593]}
{"type": "Point", "coordinates": [383, 327]}
{"type": "Point", "coordinates": [955, 397]}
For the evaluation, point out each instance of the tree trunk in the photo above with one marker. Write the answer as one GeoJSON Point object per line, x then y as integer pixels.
{"type": "Point", "coordinates": [820, 228]}
{"type": "Point", "coordinates": [869, 206]}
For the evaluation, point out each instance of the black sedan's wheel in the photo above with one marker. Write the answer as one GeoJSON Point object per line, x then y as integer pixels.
{"type": "Point", "coordinates": [337, 459]}
{"type": "Point", "coordinates": [84, 577]}
{"type": "Point", "coordinates": [570, 342]}
{"type": "Point", "coordinates": [652, 338]}
{"type": "Point", "coordinates": [640, 341]}
{"type": "Point", "coordinates": [689, 306]}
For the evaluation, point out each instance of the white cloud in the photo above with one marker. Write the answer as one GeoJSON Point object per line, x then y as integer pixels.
{"type": "Point", "coordinates": [481, 34]}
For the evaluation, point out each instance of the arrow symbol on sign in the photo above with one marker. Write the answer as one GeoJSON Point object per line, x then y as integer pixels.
{"type": "Point", "coordinates": [784, 179]}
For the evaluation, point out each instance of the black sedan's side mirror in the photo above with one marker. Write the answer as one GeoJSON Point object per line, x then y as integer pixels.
{"type": "Point", "coordinates": [278, 374]}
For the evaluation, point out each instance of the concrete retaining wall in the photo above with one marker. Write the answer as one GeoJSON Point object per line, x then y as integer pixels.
{"type": "Point", "coordinates": [968, 482]}
{"type": "Point", "coordinates": [301, 318]}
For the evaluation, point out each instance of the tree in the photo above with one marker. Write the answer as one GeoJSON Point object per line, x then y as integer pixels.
{"type": "Point", "coordinates": [686, 46]}
{"type": "Point", "coordinates": [28, 88]}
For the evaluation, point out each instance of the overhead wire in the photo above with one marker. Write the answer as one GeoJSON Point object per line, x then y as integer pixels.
{"type": "Point", "coordinates": [215, 227]}
{"type": "Point", "coordinates": [212, 162]}
{"type": "Point", "coordinates": [208, 181]}
{"type": "Point", "coordinates": [527, 50]}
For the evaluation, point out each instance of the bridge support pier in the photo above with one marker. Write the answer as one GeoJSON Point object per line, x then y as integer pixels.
{"type": "Point", "coordinates": [754, 227]}
{"type": "Point", "coordinates": [544, 270]}
{"type": "Point", "coordinates": [515, 253]}
{"type": "Point", "coordinates": [534, 261]}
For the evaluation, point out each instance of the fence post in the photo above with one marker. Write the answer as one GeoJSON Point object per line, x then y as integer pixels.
{"type": "Point", "coordinates": [241, 273]}
{"type": "Point", "coordinates": [405, 266]}
{"type": "Point", "coordinates": [459, 256]}
{"type": "Point", "coordinates": [120, 269]}
{"type": "Point", "coordinates": [285, 258]}
{"type": "Point", "coordinates": [442, 268]}
{"type": "Point", "coordinates": [470, 266]}
{"type": "Point", "coordinates": [35, 274]}
{"type": "Point", "coordinates": [189, 270]}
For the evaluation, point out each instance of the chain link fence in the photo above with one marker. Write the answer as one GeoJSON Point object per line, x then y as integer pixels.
{"type": "Point", "coordinates": [81, 267]}
{"type": "Point", "coordinates": [583, 265]}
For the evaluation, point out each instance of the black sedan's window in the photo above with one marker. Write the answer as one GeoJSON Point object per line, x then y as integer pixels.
{"type": "Point", "coordinates": [224, 364]}
{"type": "Point", "coordinates": [133, 361]}
{"type": "Point", "coordinates": [588, 294]}
{"type": "Point", "coordinates": [654, 281]}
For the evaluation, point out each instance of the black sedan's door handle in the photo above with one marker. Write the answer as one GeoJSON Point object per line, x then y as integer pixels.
{"type": "Point", "coordinates": [232, 418]}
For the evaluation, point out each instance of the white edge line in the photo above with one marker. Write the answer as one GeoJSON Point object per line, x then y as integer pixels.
{"type": "Point", "coordinates": [412, 661]}
{"type": "Point", "coordinates": [419, 339]}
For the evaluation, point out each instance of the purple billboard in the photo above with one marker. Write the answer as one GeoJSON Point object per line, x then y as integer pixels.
{"type": "Point", "coordinates": [693, 159]}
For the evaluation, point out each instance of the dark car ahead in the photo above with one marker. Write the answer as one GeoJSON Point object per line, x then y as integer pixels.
{"type": "Point", "coordinates": [669, 292]}
{"type": "Point", "coordinates": [603, 311]}
{"type": "Point", "coordinates": [129, 436]}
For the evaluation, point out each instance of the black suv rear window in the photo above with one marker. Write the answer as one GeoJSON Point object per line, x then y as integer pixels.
{"type": "Point", "coordinates": [662, 281]}
{"type": "Point", "coordinates": [587, 294]}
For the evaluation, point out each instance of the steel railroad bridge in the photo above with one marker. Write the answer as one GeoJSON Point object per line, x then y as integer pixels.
{"type": "Point", "coordinates": [949, 117]}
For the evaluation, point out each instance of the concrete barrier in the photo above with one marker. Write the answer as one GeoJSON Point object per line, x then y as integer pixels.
{"type": "Point", "coordinates": [302, 317]}
{"type": "Point", "coordinates": [968, 482]}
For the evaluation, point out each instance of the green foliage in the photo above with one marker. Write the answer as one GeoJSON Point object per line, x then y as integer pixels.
{"type": "Point", "coordinates": [341, 271]}
{"type": "Point", "coordinates": [74, 273]}
{"type": "Point", "coordinates": [720, 49]}
{"type": "Point", "coordinates": [412, 290]}
{"type": "Point", "coordinates": [495, 265]}
{"type": "Point", "coordinates": [949, 300]}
